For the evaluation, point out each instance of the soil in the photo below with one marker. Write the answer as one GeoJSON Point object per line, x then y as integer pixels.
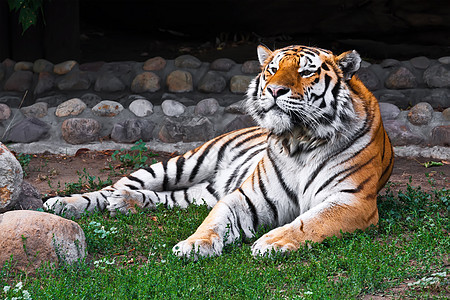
{"type": "Point", "coordinates": [50, 173]}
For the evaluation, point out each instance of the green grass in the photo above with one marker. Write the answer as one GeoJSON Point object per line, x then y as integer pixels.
{"type": "Point", "coordinates": [130, 258]}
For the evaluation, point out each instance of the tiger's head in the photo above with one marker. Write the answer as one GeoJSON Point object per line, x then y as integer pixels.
{"type": "Point", "coordinates": [303, 89]}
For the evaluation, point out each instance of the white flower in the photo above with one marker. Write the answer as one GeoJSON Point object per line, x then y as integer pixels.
{"type": "Point", "coordinates": [6, 288]}
{"type": "Point", "coordinates": [26, 295]}
{"type": "Point", "coordinates": [19, 285]}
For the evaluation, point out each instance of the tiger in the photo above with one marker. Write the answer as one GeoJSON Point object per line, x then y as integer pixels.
{"type": "Point", "coordinates": [310, 169]}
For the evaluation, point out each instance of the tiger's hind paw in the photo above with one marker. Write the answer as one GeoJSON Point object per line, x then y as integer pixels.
{"type": "Point", "coordinates": [64, 206]}
{"type": "Point", "coordinates": [125, 201]}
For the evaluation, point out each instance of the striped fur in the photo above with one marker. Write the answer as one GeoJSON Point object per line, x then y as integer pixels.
{"type": "Point", "coordinates": [311, 169]}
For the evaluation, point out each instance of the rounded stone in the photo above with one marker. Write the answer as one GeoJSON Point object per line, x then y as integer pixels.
{"type": "Point", "coordinates": [440, 135]}
{"type": "Point", "coordinates": [369, 78]}
{"type": "Point", "coordinates": [42, 65]}
{"type": "Point", "coordinates": [239, 122]}
{"type": "Point", "coordinates": [107, 82]}
{"type": "Point", "coordinates": [154, 64]}
{"type": "Point", "coordinates": [19, 81]}
{"type": "Point", "coordinates": [64, 67]}
{"type": "Point", "coordinates": [72, 107]}
{"type": "Point", "coordinates": [222, 64]}
{"type": "Point", "coordinates": [23, 66]}
{"type": "Point", "coordinates": [236, 108]}
{"type": "Point", "coordinates": [446, 114]}
{"type": "Point", "coordinates": [37, 110]}
{"type": "Point", "coordinates": [80, 131]}
{"type": "Point", "coordinates": [145, 82]}
{"type": "Point", "coordinates": [28, 130]}
{"type": "Point", "coordinates": [29, 198]}
{"type": "Point", "coordinates": [172, 108]}
{"type": "Point", "coordinates": [420, 62]}
{"type": "Point", "coordinates": [401, 78]}
{"type": "Point", "coordinates": [132, 130]}
{"type": "Point", "coordinates": [421, 113]}
{"type": "Point", "coordinates": [180, 81]}
{"type": "Point", "coordinates": [107, 108]}
{"type": "Point", "coordinates": [387, 63]}
{"type": "Point", "coordinates": [388, 111]}
{"type": "Point", "coordinates": [207, 107]}
{"type": "Point", "coordinates": [437, 76]}
{"type": "Point", "coordinates": [187, 61]}
{"type": "Point", "coordinates": [5, 112]}
{"type": "Point", "coordinates": [212, 82]}
{"type": "Point", "coordinates": [141, 107]}
{"type": "Point", "coordinates": [444, 60]}
{"type": "Point", "coordinates": [46, 82]}
{"type": "Point", "coordinates": [186, 129]}
{"type": "Point", "coordinates": [33, 238]}
{"type": "Point", "coordinates": [11, 177]}
{"type": "Point", "coordinates": [74, 81]}
{"type": "Point", "coordinates": [251, 67]}
{"type": "Point", "coordinates": [400, 134]}
{"type": "Point", "coordinates": [239, 83]}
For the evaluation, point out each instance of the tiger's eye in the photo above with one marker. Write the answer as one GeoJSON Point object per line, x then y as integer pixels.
{"type": "Point", "coordinates": [306, 73]}
{"type": "Point", "coordinates": [273, 70]}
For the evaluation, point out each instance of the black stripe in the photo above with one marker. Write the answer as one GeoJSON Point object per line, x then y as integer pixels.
{"type": "Point", "coordinates": [335, 91]}
{"type": "Point", "coordinates": [243, 151]}
{"type": "Point", "coordinates": [166, 178]}
{"type": "Point", "coordinates": [180, 165]}
{"type": "Point", "coordinates": [212, 191]}
{"type": "Point", "coordinates": [150, 170]}
{"type": "Point", "coordinates": [172, 197]}
{"type": "Point", "coordinates": [240, 180]}
{"type": "Point", "coordinates": [391, 159]}
{"type": "Point", "coordinates": [265, 195]}
{"type": "Point", "coordinates": [133, 178]}
{"type": "Point", "coordinates": [384, 145]}
{"type": "Point", "coordinates": [358, 188]}
{"type": "Point", "coordinates": [252, 208]}
{"type": "Point", "coordinates": [131, 187]}
{"type": "Point", "coordinates": [235, 216]}
{"type": "Point", "coordinates": [157, 196]}
{"type": "Point", "coordinates": [88, 201]}
{"type": "Point", "coordinates": [106, 198]}
{"type": "Point", "coordinates": [222, 149]}
{"type": "Point", "coordinates": [186, 196]}
{"type": "Point", "coordinates": [325, 67]}
{"type": "Point", "coordinates": [202, 157]}
{"type": "Point", "coordinates": [291, 195]}
{"type": "Point", "coordinates": [361, 133]}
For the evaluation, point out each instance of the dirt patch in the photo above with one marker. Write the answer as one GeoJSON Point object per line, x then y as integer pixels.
{"type": "Point", "coordinates": [50, 173]}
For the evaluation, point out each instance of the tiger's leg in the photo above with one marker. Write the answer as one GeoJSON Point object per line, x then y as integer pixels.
{"type": "Point", "coordinates": [327, 219]}
{"type": "Point", "coordinates": [126, 201]}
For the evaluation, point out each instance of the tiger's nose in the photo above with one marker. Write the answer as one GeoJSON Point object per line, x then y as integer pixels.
{"type": "Point", "coordinates": [277, 90]}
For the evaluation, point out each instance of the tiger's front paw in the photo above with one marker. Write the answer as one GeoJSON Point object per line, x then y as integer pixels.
{"type": "Point", "coordinates": [64, 206]}
{"type": "Point", "coordinates": [277, 240]}
{"type": "Point", "coordinates": [199, 246]}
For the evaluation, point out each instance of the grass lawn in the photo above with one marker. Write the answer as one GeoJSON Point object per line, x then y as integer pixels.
{"type": "Point", "coordinates": [130, 257]}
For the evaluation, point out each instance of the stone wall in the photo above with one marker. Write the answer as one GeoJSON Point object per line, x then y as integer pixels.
{"type": "Point", "coordinates": [186, 100]}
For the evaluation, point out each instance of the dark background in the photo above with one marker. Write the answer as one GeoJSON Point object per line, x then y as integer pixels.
{"type": "Point", "coordinates": [113, 30]}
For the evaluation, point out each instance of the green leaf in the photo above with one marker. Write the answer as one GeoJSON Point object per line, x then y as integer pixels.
{"type": "Point", "coordinates": [432, 164]}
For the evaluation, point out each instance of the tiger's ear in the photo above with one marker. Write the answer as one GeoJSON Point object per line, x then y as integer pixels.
{"type": "Point", "coordinates": [349, 62]}
{"type": "Point", "coordinates": [263, 54]}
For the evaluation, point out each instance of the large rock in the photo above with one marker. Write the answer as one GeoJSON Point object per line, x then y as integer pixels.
{"type": "Point", "coordinates": [437, 76]}
{"type": "Point", "coordinates": [154, 64]}
{"type": "Point", "coordinates": [400, 134]}
{"type": "Point", "coordinates": [212, 82]}
{"type": "Point", "coordinates": [401, 78]}
{"type": "Point", "coordinates": [186, 129]}
{"type": "Point", "coordinates": [107, 108]}
{"type": "Point", "coordinates": [19, 81]}
{"type": "Point", "coordinates": [132, 130]}
{"type": "Point", "coordinates": [91, 100]}
{"type": "Point", "coordinates": [239, 83]}
{"type": "Point", "coordinates": [42, 65]}
{"type": "Point", "coordinates": [28, 130]}
{"type": "Point", "coordinates": [146, 82]}
{"type": "Point", "coordinates": [251, 67]}
{"type": "Point", "coordinates": [222, 64]}
{"type": "Point", "coordinates": [11, 177]}
{"type": "Point", "coordinates": [80, 130]}
{"type": "Point", "coordinates": [33, 238]}
{"type": "Point", "coordinates": [23, 66]}
{"type": "Point", "coordinates": [141, 107]}
{"type": "Point", "coordinates": [172, 108]}
{"type": "Point", "coordinates": [180, 81]}
{"type": "Point", "coordinates": [369, 78]}
{"type": "Point", "coordinates": [29, 198]}
{"type": "Point", "coordinates": [45, 83]}
{"type": "Point", "coordinates": [108, 82]}
{"type": "Point", "coordinates": [64, 67]}
{"type": "Point", "coordinates": [388, 111]}
{"type": "Point", "coordinates": [187, 61]}
{"type": "Point", "coordinates": [5, 112]}
{"type": "Point", "coordinates": [440, 135]}
{"type": "Point", "coordinates": [75, 80]}
{"type": "Point", "coordinates": [207, 107]}
{"type": "Point", "coordinates": [37, 110]}
{"type": "Point", "coordinates": [72, 107]}
{"type": "Point", "coordinates": [420, 114]}
{"type": "Point", "coordinates": [239, 122]}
